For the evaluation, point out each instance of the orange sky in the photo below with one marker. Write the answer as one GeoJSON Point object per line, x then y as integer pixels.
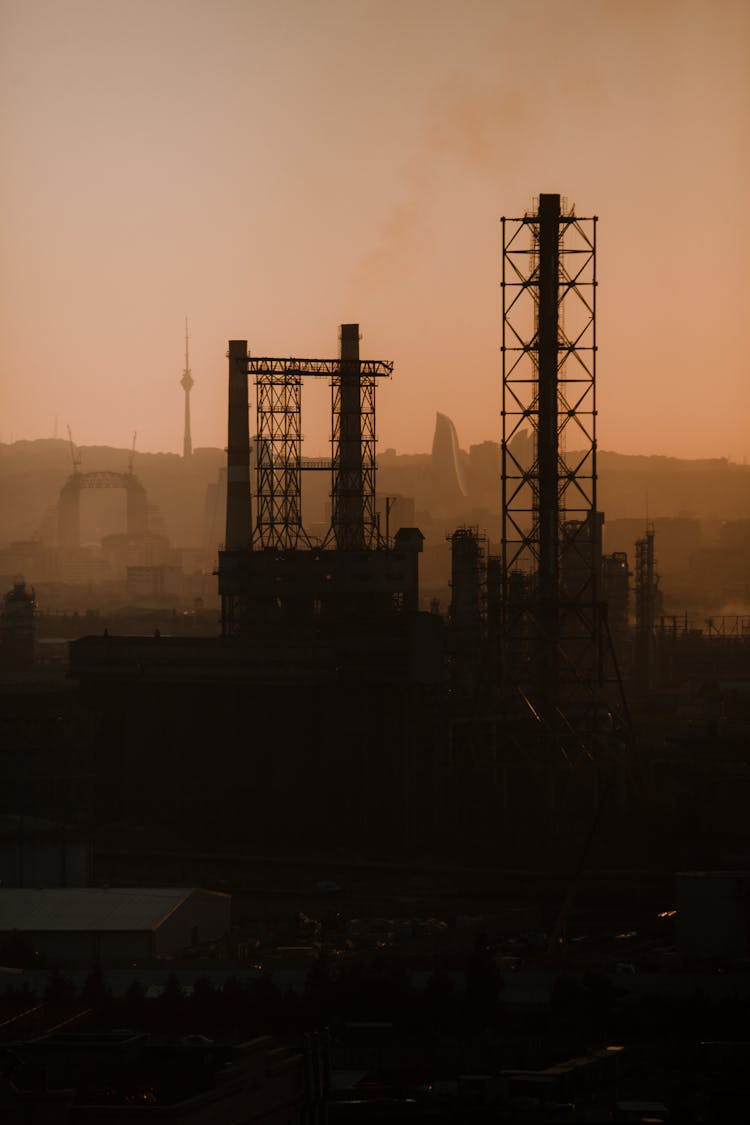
{"type": "Point", "coordinates": [272, 168]}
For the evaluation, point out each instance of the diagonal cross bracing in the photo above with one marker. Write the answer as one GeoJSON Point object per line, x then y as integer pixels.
{"type": "Point", "coordinates": [279, 464]}
{"type": "Point", "coordinates": [549, 522]}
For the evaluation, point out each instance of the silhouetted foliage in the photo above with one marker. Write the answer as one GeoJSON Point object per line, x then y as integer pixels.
{"type": "Point", "coordinates": [205, 1004]}
{"type": "Point", "coordinates": [94, 993]}
{"type": "Point", "coordinates": [440, 1003]}
{"type": "Point", "coordinates": [133, 1005]}
{"type": "Point", "coordinates": [17, 951]}
{"type": "Point", "coordinates": [59, 991]}
{"type": "Point", "coordinates": [482, 985]}
{"type": "Point", "coordinates": [172, 1004]}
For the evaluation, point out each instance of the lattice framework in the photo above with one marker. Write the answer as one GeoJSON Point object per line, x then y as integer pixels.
{"type": "Point", "coordinates": [279, 464]}
{"type": "Point", "coordinates": [353, 516]}
{"type": "Point", "coordinates": [278, 458]}
{"type": "Point", "coordinates": [550, 532]}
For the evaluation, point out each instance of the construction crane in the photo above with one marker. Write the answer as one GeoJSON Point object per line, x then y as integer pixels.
{"type": "Point", "coordinates": [74, 453]}
{"type": "Point", "coordinates": [131, 455]}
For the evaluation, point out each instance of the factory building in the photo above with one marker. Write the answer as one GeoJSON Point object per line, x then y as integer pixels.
{"type": "Point", "coordinates": [317, 713]}
{"type": "Point", "coordinates": [86, 925]}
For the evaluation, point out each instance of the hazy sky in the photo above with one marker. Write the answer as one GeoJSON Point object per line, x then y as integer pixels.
{"type": "Point", "coordinates": [272, 169]}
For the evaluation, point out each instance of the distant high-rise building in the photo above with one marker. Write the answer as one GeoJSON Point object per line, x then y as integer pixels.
{"type": "Point", "coordinates": [448, 486]}
{"type": "Point", "coordinates": [186, 382]}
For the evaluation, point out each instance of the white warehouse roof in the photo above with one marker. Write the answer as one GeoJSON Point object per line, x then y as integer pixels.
{"type": "Point", "coordinates": [92, 908]}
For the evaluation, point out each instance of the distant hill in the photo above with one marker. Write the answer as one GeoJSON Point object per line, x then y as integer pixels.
{"type": "Point", "coordinates": [655, 463]}
{"type": "Point", "coordinates": [628, 485]}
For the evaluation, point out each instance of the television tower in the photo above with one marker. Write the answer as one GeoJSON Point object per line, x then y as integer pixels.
{"type": "Point", "coordinates": [186, 382]}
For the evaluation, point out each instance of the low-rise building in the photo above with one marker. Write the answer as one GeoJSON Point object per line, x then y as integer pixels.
{"type": "Point", "coordinates": [74, 925]}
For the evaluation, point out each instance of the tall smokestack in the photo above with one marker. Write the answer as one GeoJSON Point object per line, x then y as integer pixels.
{"type": "Point", "coordinates": [239, 510]}
{"type": "Point", "coordinates": [348, 499]}
{"type": "Point", "coordinates": [548, 451]}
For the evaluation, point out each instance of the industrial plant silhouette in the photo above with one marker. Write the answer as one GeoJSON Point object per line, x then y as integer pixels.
{"type": "Point", "coordinates": [364, 708]}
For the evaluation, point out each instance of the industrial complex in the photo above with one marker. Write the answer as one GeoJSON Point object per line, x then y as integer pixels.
{"type": "Point", "coordinates": [344, 695]}
{"type": "Point", "coordinates": [472, 772]}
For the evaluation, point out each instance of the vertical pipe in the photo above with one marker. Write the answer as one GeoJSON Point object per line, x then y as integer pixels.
{"type": "Point", "coordinates": [549, 507]}
{"type": "Point", "coordinates": [239, 511]}
{"type": "Point", "coordinates": [348, 499]}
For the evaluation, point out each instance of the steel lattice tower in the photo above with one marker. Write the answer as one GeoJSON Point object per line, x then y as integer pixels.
{"type": "Point", "coordinates": [279, 457]}
{"type": "Point", "coordinates": [551, 531]}
{"type": "Point", "coordinates": [271, 573]}
{"type": "Point", "coordinates": [279, 464]}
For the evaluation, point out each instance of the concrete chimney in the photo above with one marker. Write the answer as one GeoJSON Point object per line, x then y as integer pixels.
{"type": "Point", "coordinates": [348, 498]}
{"type": "Point", "coordinates": [239, 509]}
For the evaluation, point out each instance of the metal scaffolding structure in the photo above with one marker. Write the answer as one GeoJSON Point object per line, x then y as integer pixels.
{"type": "Point", "coordinates": [551, 531]}
{"type": "Point", "coordinates": [278, 458]}
{"type": "Point", "coordinates": [279, 464]}
{"type": "Point", "coordinates": [272, 576]}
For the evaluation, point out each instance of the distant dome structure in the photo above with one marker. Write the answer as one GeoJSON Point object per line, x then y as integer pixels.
{"type": "Point", "coordinates": [448, 482]}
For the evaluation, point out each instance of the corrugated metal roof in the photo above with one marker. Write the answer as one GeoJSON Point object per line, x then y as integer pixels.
{"type": "Point", "coordinates": [90, 908]}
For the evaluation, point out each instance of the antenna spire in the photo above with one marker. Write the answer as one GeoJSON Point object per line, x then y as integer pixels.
{"type": "Point", "coordinates": [186, 382]}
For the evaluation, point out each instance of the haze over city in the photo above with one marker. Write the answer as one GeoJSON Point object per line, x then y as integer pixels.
{"type": "Point", "coordinates": [272, 170]}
